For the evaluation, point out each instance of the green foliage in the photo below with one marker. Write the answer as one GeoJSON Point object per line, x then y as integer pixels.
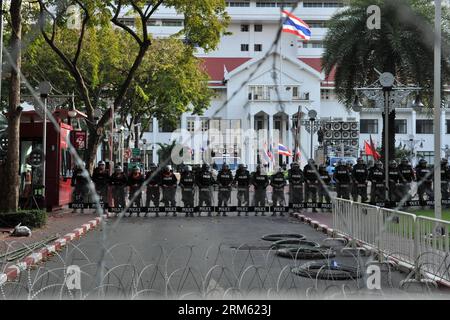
{"type": "Point", "coordinates": [29, 218]}
{"type": "Point", "coordinates": [170, 82]}
{"type": "Point", "coordinates": [403, 45]}
{"type": "Point", "coordinates": [165, 152]}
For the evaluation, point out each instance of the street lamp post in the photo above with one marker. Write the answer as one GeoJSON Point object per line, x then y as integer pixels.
{"type": "Point", "coordinates": [312, 125]}
{"type": "Point", "coordinates": [437, 110]}
{"type": "Point", "coordinates": [44, 90]}
{"type": "Point", "coordinates": [386, 95]}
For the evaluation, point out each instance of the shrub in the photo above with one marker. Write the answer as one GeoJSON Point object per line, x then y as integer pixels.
{"type": "Point", "coordinates": [29, 218]}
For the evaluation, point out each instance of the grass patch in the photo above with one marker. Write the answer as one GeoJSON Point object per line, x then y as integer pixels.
{"type": "Point", "coordinates": [430, 213]}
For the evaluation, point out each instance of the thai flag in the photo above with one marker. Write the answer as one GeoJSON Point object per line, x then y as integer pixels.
{"type": "Point", "coordinates": [295, 25]}
{"type": "Point", "coordinates": [268, 156]}
{"type": "Point", "coordinates": [284, 151]}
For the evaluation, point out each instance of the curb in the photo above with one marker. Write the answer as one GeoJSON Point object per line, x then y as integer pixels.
{"type": "Point", "coordinates": [13, 271]}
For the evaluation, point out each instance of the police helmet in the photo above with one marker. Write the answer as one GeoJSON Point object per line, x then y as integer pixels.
{"type": "Point", "coordinates": [360, 161]}
{"type": "Point", "coordinates": [136, 169]}
{"type": "Point", "coordinates": [311, 161]}
{"type": "Point", "coordinates": [118, 168]}
{"type": "Point", "coordinates": [340, 163]}
{"type": "Point", "coordinates": [422, 161]}
{"type": "Point", "coordinates": [241, 166]}
{"type": "Point", "coordinates": [225, 166]}
{"type": "Point", "coordinates": [405, 161]}
{"type": "Point", "coordinates": [379, 164]}
{"type": "Point", "coordinates": [349, 163]}
{"type": "Point", "coordinates": [205, 166]}
{"type": "Point", "coordinates": [392, 163]}
{"type": "Point", "coordinates": [101, 163]}
{"type": "Point", "coordinates": [295, 165]}
{"type": "Point", "coordinates": [444, 161]}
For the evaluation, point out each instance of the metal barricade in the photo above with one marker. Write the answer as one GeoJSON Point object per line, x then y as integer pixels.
{"type": "Point", "coordinates": [432, 246]}
{"type": "Point", "coordinates": [396, 237]}
{"type": "Point", "coordinates": [416, 240]}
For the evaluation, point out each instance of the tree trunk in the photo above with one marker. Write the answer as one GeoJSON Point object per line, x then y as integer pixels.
{"type": "Point", "coordinates": [11, 182]}
{"type": "Point", "coordinates": [93, 143]}
{"type": "Point", "coordinates": [391, 139]}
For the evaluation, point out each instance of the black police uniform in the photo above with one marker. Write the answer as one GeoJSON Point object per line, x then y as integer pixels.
{"type": "Point", "coordinates": [260, 182]}
{"type": "Point", "coordinates": [343, 180]}
{"type": "Point", "coordinates": [242, 180]}
{"type": "Point", "coordinates": [394, 184]}
{"type": "Point", "coordinates": [445, 179]}
{"type": "Point", "coordinates": [278, 182]}
{"type": "Point", "coordinates": [187, 184]}
{"type": "Point", "coordinates": [101, 180]}
{"type": "Point", "coordinates": [135, 182]}
{"type": "Point", "coordinates": [225, 180]}
{"type": "Point", "coordinates": [169, 188]}
{"type": "Point", "coordinates": [205, 182]}
{"type": "Point", "coordinates": [153, 194]}
{"type": "Point", "coordinates": [311, 178]}
{"type": "Point", "coordinates": [296, 179]}
{"type": "Point", "coordinates": [80, 184]}
{"type": "Point", "coordinates": [359, 177]}
{"type": "Point", "coordinates": [424, 178]}
{"type": "Point", "coordinates": [118, 183]}
{"type": "Point", "coordinates": [406, 178]}
{"type": "Point", "coordinates": [325, 181]}
{"type": "Point", "coordinates": [377, 188]}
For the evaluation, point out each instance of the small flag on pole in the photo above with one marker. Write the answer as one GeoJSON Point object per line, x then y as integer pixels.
{"type": "Point", "coordinates": [284, 151]}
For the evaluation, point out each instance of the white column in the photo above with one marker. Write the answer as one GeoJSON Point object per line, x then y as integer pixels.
{"type": "Point", "coordinates": [270, 140]}
{"type": "Point", "coordinates": [250, 147]}
{"type": "Point", "coordinates": [443, 128]}
{"type": "Point", "coordinates": [289, 134]}
{"type": "Point", "coordinates": [155, 127]}
{"type": "Point", "coordinates": [413, 123]}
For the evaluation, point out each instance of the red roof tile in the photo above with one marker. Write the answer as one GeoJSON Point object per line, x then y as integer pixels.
{"type": "Point", "coordinates": [215, 66]}
{"type": "Point", "coordinates": [316, 63]}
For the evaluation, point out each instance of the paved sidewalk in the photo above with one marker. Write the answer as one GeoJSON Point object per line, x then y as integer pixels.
{"type": "Point", "coordinates": [321, 217]}
{"type": "Point", "coordinates": [58, 223]}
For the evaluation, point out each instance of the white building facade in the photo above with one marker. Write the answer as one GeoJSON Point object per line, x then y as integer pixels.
{"type": "Point", "coordinates": [260, 84]}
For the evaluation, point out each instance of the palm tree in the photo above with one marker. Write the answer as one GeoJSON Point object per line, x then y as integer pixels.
{"type": "Point", "coordinates": [165, 152]}
{"type": "Point", "coordinates": [402, 46]}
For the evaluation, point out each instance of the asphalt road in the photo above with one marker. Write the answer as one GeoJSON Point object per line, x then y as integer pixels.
{"type": "Point", "coordinates": [178, 257]}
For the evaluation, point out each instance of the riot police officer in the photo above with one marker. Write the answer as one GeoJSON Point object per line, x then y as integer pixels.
{"type": "Point", "coordinates": [377, 179]}
{"type": "Point", "coordinates": [260, 182]}
{"type": "Point", "coordinates": [424, 178]}
{"type": "Point", "coordinates": [118, 182]}
{"type": "Point", "coordinates": [135, 181]}
{"type": "Point", "coordinates": [359, 177]}
{"type": "Point", "coordinates": [80, 184]}
{"type": "Point", "coordinates": [342, 177]}
{"type": "Point", "coordinates": [278, 182]}
{"type": "Point", "coordinates": [296, 179]}
{"type": "Point", "coordinates": [225, 180]}
{"type": "Point", "coordinates": [100, 177]}
{"type": "Point", "coordinates": [242, 180]}
{"type": "Point", "coordinates": [169, 187]}
{"type": "Point", "coordinates": [394, 181]}
{"type": "Point", "coordinates": [406, 177]}
{"type": "Point", "coordinates": [445, 178]}
{"type": "Point", "coordinates": [153, 179]}
{"type": "Point", "coordinates": [205, 181]}
{"type": "Point", "coordinates": [187, 184]}
{"type": "Point", "coordinates": [311, 178]}
{"type": "Point", "coordinates": [324, 183]}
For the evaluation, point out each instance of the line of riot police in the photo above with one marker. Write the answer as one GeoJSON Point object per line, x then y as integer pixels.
{"type": "Point", "coordinates": [312, 184]}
